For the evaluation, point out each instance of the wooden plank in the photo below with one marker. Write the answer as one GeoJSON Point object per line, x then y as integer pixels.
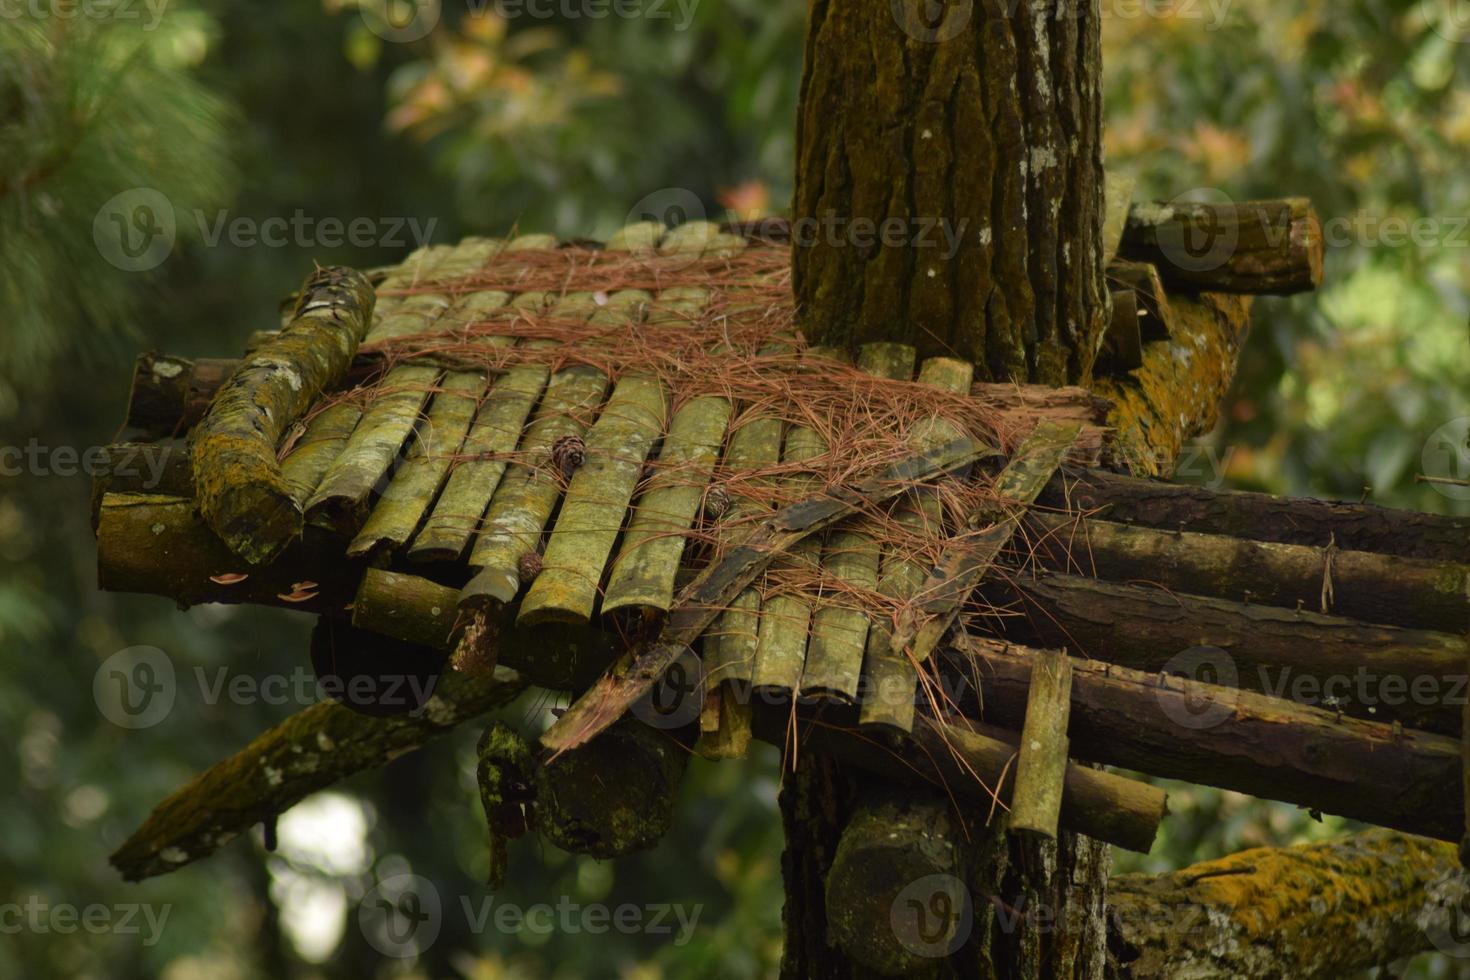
{"type": "Point", "coordinates": [1037, 802]}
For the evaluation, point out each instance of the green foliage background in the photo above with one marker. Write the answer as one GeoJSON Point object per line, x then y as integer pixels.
{"type": "Point", "coordinates": [562, 123]}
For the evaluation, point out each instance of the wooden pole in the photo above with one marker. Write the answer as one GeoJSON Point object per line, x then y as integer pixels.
{"type": "Point", "coordinates": [1043, 762]}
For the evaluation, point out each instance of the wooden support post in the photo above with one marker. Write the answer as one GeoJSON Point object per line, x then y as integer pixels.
{"type": "Point", "coordinates": [1043, 763]}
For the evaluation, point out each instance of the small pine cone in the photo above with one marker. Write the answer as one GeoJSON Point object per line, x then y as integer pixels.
{"type": "Point", "coordinates": [716, 503]}
{"type": "Point", "coordinates": [530, 566]}
{"type": "Point", "coordinates": [568, 453]}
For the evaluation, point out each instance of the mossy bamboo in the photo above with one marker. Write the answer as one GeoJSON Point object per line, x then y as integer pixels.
{"type": "Point", "coordinates": [323, 441]}
{"type": "Point", "coordinates": [834, 656]}
{"type": "Point", "coordinates": [403, 503]}
{"type": "Point", "coordinates": [892, 681]}
{"type": "Point", "coordinates": [341, 502]}
{"type": "Point", "coordinates": [644, 571]}
{"type": "Point", "coordinates": [713, 588]}
{"type": "Point", "coordinates": [528, 490]}
{"type": "Point", "coordinates": [240, 489]}
{"type": "Point", "coordinates": [421, 312]}
{"type": "Point", "coordinates": [785, 619]}
{"type": "Point", "coordinates": [596, 501]}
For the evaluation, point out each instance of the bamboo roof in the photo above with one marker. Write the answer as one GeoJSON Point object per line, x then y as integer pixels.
{"type": "Point", "coordinates": [549, 455]}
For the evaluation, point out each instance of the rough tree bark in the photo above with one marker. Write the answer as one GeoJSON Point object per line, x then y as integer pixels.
{"type": "Point", "coordinates": [949, 195]}
{"type": "Point", "coordinates": [949, 182]}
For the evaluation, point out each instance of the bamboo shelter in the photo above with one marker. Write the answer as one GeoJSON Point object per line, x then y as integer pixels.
{"type": "Point", "coordinates": [620, 472]}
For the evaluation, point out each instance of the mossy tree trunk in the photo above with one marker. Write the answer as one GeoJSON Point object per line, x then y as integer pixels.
{"type": "Point", "coordinates": [949, 196]}
{"type": "Point", "coordinates": [949, 182]}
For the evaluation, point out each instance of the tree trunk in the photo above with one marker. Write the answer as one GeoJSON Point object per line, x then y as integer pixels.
{"type": "Point", "coordinates": [949, 196]}
{"type": "Point", "coordinates": [949, 183]}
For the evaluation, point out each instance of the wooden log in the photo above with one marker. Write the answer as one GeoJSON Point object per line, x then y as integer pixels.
{"type": "Point", "coordinates": [1158, 407]}
{"type": "Point", "coordinates": [1044, 745]}
{"type": "Point", "coordinates": [312, 749]}
{"type": "Point", "coordinates": [404, 501]}
{"type": "Point", "coordinates": [170, 394]}
{"type": "Point", "coordinates": [712, 590]}
{"type": "Point", "coordinates": [1271, 247]}
{"type": "Point", "coordinates": [1326, 909]}
{"type": "Point", "coordinates": [1272, 748]}
{"type": "Point", "coordinates": [614, 795]}
{"type": "Point", "coordinates": [834, 654]}
{"type": "Point", "coordinates": [895, 850]}
{"type": "Point", "coordinates": [160, 469]}
{"type": "Point", "coordinates": [1361, 585]}
{"type": "Point", "coordinates": [343, 499]}
{"type": "Point", "coordinates": [239, 486]}
{"type": "Point", "coordinates": [1259, 516]}
{"type": "Point", "coordinates": [976, 769]}
{"type": "Point", "coordinates": [1385, 673]}
{"type": "Point", "coordinates": [921, 627]}
{"type": "Point", "coordinates": [596, 502]}
{"type": "Point", "coordinates": [159, 545]}
{"type": "Point", "coordinates": [417, 610]}
{"type": "Point", "coordinates": [892, 680]}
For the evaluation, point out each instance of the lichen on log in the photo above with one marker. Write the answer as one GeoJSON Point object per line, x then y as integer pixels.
{"type": "Point", "coordinates": [1316, 910]}
{"type": "Point", "coordinates": [239, 485]}
{"type": "Point", "coordinates": [312, 749]}
{"type": "Point", "coordinates": [170, 394]}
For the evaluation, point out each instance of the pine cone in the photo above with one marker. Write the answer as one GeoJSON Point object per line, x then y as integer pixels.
{"type": "Point", "coordinates": [568, 453]}
{"type": "Point", "coordinates": [530, 566]}
{"type": "Point", "coordinates": [716, 503]}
